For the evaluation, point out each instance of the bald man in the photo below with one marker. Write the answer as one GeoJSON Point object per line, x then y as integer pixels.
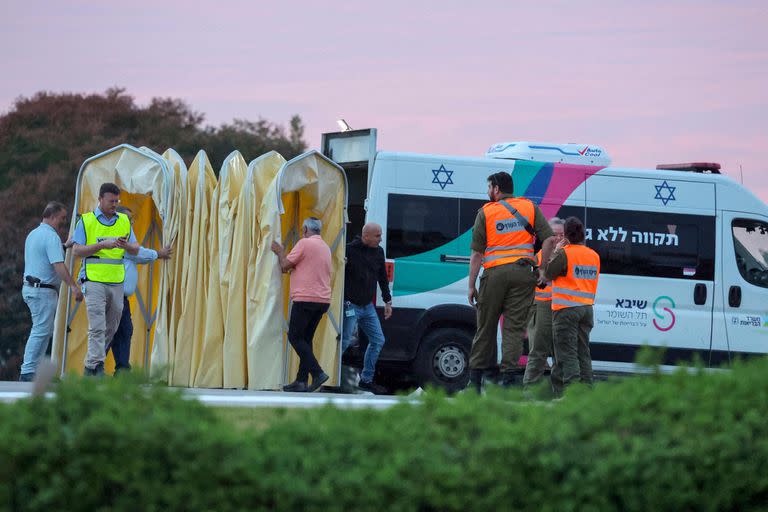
{"type": "Point", "coordinates": [365, 267]}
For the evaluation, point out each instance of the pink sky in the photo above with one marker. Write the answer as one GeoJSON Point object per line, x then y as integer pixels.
{"type": "Point", "coordinates": [652, 82]}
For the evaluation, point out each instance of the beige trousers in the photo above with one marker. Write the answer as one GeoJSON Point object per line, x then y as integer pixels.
{"type": "Point", "coordinates": [104, 306]}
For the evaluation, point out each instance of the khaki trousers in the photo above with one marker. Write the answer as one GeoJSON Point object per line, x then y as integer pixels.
{"type": "Point", "coordinates": [104, 306]}
{"type": "Point", "coordinates": [573, 360]}
{"type": "Point", "coordinates": [505, 290]}
{"type": "Point", "coordinates": [540, 341]}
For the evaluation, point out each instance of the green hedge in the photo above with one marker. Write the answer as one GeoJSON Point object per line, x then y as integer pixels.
{"type": "Point", "coordinates": [689, 441]}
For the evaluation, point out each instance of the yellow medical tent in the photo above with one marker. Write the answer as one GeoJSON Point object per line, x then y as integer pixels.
{"type": "Point", "coordinates": [194, 257]}
{"type": "Point", "coordinates": [216, 314]}
{"type": "Point", "coordinates": [309, 185]}
{"type": "Point", "coordinates": [224, 209]}
{"type": "Point", "coordinates": [245, 355]}
{"type": "Point", "coordinates": [169, 308]}
{"type": "Point", "coordinates": [146, 185]}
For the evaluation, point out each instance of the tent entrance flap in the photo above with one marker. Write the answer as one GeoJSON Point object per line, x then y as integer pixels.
{"type": "Point", "coordinates": [145, 184]}
{"type": "Point", "coordinates": [312, 185]}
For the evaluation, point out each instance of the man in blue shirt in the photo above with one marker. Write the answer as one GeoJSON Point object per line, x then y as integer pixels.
{"type": "Point", "coordinates": [44, 270]}
{"type": "Point", "coordinates": [121, 341]}
{"type": "Point", "coordinates": [102, 245]}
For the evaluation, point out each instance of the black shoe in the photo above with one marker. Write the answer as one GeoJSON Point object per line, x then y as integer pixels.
{"type": "Point", "coordinates": [296, 386]}
{"type": "Point", "coordinates": [512, 378]}
{"type": "Point", "coordinates": [475, 381]}
{"type": "Point", "coordinates": [27, 377]}
{"type": "Point", "coordinates": [318, 381]}
{"type": "Point", "coordinates": [122, 369]}
{"type": "Point", "coordinates": [96, 371]}
{"type": "Point", "coordinates": [372, 387]}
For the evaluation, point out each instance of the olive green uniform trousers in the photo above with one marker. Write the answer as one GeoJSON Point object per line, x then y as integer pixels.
{"type": "Point", "coordinates": [540, 342]}
{"type": "Point", "coordinates": [505, 290]}
{"type": "Point", "coordinates": [573, 361]}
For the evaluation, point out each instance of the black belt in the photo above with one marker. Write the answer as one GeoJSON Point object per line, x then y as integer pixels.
{"type": "Point", "coordinates": [42, 285]}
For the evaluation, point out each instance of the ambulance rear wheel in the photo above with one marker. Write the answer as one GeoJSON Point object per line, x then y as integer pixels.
{"type": "Point", "coordinates": [443, 359]}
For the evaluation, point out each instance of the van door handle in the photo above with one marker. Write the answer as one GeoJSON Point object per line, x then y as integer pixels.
{"type": "Point", "coordinates": [734, 296]}
{"type": "Point", "coordinates": [449, 258]}
{"type": "Point", "coordinates": [700, 294]}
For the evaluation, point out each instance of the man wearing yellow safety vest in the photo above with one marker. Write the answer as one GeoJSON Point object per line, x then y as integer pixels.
{"type": "Point", "coordinates": [574, 271]}
{"type": "Point", "coordinates": [502, 243]}
{"type": "Point", "coordinates": [540, 323]}
{"type": "Point", "coordinates": [101, 238]}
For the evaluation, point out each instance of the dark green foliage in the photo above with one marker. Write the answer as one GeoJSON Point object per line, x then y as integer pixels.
{"type": "Point", "coordinates": [44, 141]}
{"type": "Point", "coordinates": [689, 441]}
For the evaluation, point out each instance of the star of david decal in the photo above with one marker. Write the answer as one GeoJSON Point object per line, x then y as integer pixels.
{"type": "Point", "coordinates": [442, 171]}
{"type": "Point", "coordinates": [665, 193]}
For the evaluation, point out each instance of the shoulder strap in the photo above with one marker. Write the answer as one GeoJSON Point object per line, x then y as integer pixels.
{"type": "Point", "coordinates": [519, 217]}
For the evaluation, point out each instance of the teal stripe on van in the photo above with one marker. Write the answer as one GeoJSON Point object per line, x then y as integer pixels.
{"type": "Point", "coordinates": [421, 273]}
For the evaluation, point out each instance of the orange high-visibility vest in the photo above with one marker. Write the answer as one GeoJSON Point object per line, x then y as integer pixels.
{"type": "Point", "coordinates": [579, 286]}
{"type": "Point", "coordinates": [543, 294]}
{"type": "Point", "coordinates": [505, 230]}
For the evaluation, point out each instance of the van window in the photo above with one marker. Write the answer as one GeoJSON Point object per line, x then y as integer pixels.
{"type": "Point", "coordinates": [640, 243]}
{"type": "Point", "coordinates": [417, 224]}
{"type": "Point", "coordinates": [468, 212]}
{"type": "Point", "coordinates": [750, 240]}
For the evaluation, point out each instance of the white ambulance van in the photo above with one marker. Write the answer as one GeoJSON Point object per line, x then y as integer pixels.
{"type": "Point", "coordinates": [683, 248]}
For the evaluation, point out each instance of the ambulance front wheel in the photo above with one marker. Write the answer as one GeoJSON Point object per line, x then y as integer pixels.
{"type": "Point", "coordinates": [443, 359]}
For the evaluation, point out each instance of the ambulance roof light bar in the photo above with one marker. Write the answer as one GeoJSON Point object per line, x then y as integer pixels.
{"type": "Point", "coordinates": [577, 154]}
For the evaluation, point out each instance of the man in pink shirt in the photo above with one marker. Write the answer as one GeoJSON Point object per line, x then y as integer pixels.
{"type": "Point", "coordinates": [310, 263]}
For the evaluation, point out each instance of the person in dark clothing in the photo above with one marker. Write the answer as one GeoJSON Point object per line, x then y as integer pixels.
{"type": "Point", "coordinates": [365, 267]}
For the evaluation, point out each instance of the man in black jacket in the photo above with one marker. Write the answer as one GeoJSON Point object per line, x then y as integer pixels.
{"type": "Point", "coordinates": [365, 267]}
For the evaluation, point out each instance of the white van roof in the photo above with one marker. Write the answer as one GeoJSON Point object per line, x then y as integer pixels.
{"type": "Point", "coordinates": [579, 154]}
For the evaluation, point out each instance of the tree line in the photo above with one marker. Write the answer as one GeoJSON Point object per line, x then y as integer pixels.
{"type": "Point", "coordinates": [44, 140]}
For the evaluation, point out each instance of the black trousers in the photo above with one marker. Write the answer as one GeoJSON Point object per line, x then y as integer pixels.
{"type": "Point", "coordinates": [305, 317]}
{"type": "Point", "coordinates": [121, 341]}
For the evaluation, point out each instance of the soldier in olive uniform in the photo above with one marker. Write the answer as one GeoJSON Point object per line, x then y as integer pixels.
{"type": "Point", "coordinates": [574, 271]}
{"type": "Point", "coordinates": [502, 243]}
{"type": "Point", "coordinates": [540, 323]}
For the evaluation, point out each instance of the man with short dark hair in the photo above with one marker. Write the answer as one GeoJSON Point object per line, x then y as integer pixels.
{"type": "Point", "coordinates": [44, 270]}
{"type": "Point", "coordinates": [574, 271]}
{"type": "Point", "coordinates": [310, 263]}
{"type": "Point", "coordinates": [101, 238]}
{"type": "Point", "coordinates": [502, 243]}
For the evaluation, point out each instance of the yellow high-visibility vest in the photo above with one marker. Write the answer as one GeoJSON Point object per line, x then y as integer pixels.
{"type": "Point", "coordinates": [106, 265]}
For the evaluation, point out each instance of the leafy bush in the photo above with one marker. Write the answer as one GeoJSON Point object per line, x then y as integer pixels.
{"type": "Point", "coordinates": [687, 441]}
{"type": "Point", "coordinates": [114, 445]}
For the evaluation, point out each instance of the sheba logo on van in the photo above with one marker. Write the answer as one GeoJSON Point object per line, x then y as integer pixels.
{"type": "Point", "coordinates": [585, 272]}
{"type": "Point", "coordinates": [508, 226]}
{"type": "Point", "coordinates": [663, 308]}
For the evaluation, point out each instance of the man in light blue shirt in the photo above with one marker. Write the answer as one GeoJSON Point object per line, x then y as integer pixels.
{"type": "Point", "coordinates": [44, 270]}
{"type": "Point", "coordinates": [121, 341]}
